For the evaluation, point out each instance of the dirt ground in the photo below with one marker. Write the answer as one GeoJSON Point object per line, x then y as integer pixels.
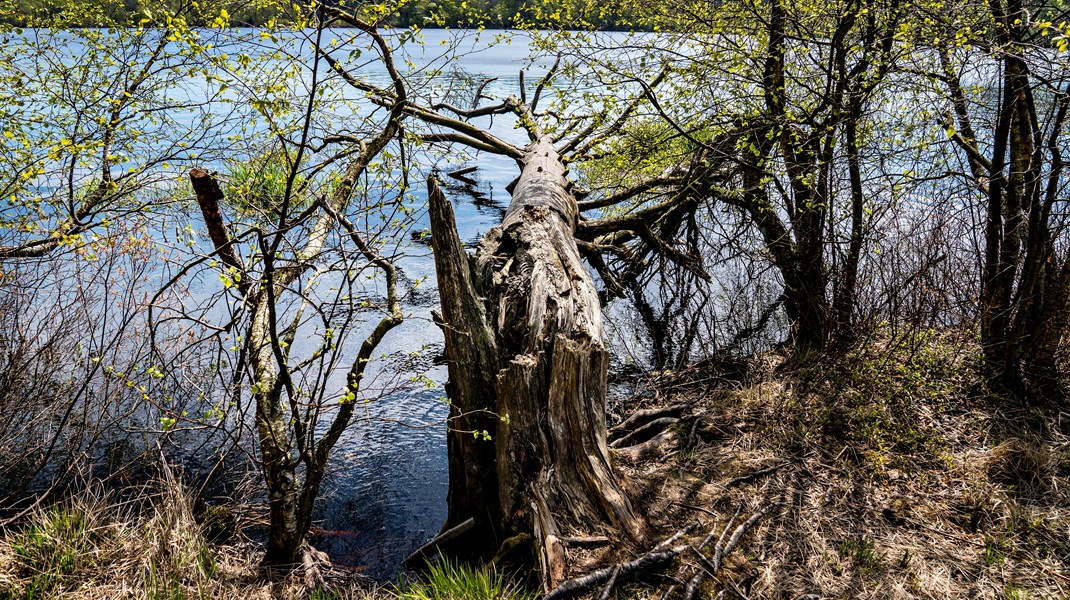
{"type": "Point", "coordinates": [889, 473]}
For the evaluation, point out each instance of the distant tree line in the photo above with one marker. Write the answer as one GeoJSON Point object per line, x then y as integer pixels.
{"type": "Point", "coordinates": [29, 13]}
{"type": "Point", "coordinates": [502, 14]}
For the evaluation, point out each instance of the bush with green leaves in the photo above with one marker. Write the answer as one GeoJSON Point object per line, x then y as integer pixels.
{"type": "Point", "coordinates": [258, 185]}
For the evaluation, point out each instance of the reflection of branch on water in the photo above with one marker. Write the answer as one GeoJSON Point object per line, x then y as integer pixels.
{"type": "Point", "coordinates": [414, 362]}
{"type": "Point", "coordinates": [434, 423]}
{"type": "Point", "coordinates": [461, 91]}
{"type": "Point", "coordinates": [418, 294]}
{"type": "Point", "coordinates": [482, 195]}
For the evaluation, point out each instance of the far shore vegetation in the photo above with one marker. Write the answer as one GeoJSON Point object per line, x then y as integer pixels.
{"type": "Point", "coordinates": [496, 14]}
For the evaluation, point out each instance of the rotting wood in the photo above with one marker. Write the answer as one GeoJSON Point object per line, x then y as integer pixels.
{"type": "Point", "coordinates": [442, 540]}
{"type": "Point", "coordinates": [526, 358]}
{"type": "Point", "coordinates": [552, 552]}
{"type": "Point", "coordinates": [644, 433]}
{"type": "Point", "coordinates": [472, 365]}
{"type": "Point", "coordinates": [209, 196]}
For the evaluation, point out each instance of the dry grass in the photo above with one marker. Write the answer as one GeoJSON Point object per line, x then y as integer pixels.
{"type": "Point", "coordinates": [92, 546]}
{"type": "Point", "coordinates": [906, 481]}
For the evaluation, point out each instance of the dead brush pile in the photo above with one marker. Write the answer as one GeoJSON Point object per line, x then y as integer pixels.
{"type": "Point", "coordinates": [890, 473]}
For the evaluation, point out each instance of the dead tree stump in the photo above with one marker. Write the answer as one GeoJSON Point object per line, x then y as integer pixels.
{"type": "Point", "coordinates": [523, 328]}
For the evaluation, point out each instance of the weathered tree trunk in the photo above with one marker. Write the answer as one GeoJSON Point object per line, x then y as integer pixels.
{"type": "Point", "coordinates": [524, 339]}
{"type": "Point", "coordinates": [1054, 320]}
{"type": "Point", "coordinates": [473, 364]}
{"type": "Point", "coordinates": [294, 461]}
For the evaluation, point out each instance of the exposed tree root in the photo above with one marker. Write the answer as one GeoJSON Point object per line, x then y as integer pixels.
{"type": "Point", "coordinates": [644, 433]}
{"type": "Point", "coordinates": [661, 557]}
{"type": "Point", "coordinates": [640, 417]}
{"type": "Point", "coordinates": [711, 566]}
{"type": "Point", "coordinates": [645, 450]}
{"type": "Point", "coordinates": [314, 563]}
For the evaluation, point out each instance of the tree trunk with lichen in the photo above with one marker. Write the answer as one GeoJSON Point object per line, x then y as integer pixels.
{"type": "Point", "coordinates": [527, 365]}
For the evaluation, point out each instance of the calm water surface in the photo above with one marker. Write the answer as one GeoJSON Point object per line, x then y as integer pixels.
{"type": "Point", "coordinates": [386, 494]}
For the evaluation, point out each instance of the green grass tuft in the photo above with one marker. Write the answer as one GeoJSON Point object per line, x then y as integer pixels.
{"type": "Point", "coordinates": [257, 185]}
{"type": "Point", "coordinates": [446, 580]}
{"type": "Point", "coordinates": [863, 553]}
{"type": "Point", "coordinates": [995, 552]}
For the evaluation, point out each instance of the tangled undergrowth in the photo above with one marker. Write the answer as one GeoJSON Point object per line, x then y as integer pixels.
{"type": "Point", "coordinates": [156, 546]}
{"type": "Point", "coordinates": [899, 476]}
{"type": "Point", "coordinates": [93, 545]}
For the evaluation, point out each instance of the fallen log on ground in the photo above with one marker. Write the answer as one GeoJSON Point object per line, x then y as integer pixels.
{"type": "Point", "coordinates": [660, 557]}
{"type": "Point", "coordinates": [639, 417]}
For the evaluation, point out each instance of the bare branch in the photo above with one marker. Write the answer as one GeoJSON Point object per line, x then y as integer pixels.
{"type": "Point", "coordinates": [617, 198]}
{"type": "Point", "coordinates": [543, 82]}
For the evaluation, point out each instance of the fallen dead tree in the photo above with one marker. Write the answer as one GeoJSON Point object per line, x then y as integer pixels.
{"type": "Point", "coordinates": [529, 459]}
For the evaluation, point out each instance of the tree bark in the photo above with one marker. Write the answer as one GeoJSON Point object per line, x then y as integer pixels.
{"type": "Point", "coordinates": [472, 365]}
{"type": "Point", "coordinates": [526, 312]}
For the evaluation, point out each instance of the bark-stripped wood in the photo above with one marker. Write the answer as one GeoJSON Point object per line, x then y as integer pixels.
{"type": "Point", "coordinates": [527, 314]}
{"type": "Point", "coordinates": [473, 364]}
{"type": "Point", "coordinates": [442, 540]}
{"type": "Point", "coordinates": [662, 556]}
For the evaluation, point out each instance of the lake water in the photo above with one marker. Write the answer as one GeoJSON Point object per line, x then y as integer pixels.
{"type": "Point", "coordinates": [386, 492]}
{"type": "Point", "coordinates": [386, 495]}
{"type": "Point", "coordinates": [386, 488]}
